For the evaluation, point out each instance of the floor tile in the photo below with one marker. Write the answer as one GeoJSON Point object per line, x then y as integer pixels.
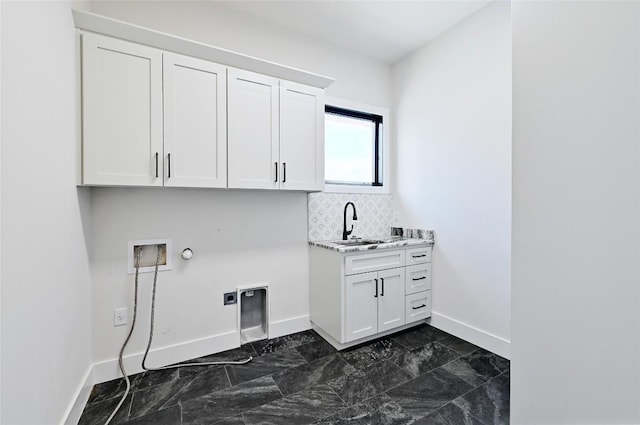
{"type": "Point", "coordinates": [379, 410]}
{"type": "Point", "coordinates": [418, 336]}
{"type": "Point", "coordinates": [316, 350]}
{"type": "Point", "coordinates": [173, 392]}
{"type": "Point", "coordinates": [98, 413]}
{"type": "Point", "coordinates": [264, 365]}
{"type": "Point", "coordinates": [229, 402]}
{"type": "Point", "coordinates": [489, 402]}
{"type": "Point", "coordinates": [301, 379]}
{"type": "Point", "coordinates": [449, 414]}
{"type": "Point", "coordinates": [317, 372]}
{"type": "Point", "coordinates": [107, 390]}
{"type": "Point", "coordinates": [152, 378]}
{"type": "Point", "coordinates": [428, 392]}
{"type": "Point", "coordinates": [234, 420]}
{"type": "Point", "coordinates": [170, 416]}
{"type": "Point", "coordinates": [478, 367]}
{"type": "Point", "coordinates": [302, 408]}
{"type": "Point", "coordinates": [426, 358]}
{"type": "Point", "coordinates": [284, 342]}
{"type": "Point", "coordinates": [365, 383]}
{"type": "Point", "coordinates": [368, 354]}
{"type": "Point", "coordinates": [458, 345]}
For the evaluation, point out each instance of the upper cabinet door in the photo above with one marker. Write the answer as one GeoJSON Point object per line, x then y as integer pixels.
{"type": "Point", "coordinates": [252, 131]}
{"type": "Point", "coordinates": [195, 122]}
{"type": "Point", "coordinates": [301, 136]}
{"type": "Point", "coordinates": [122, 112]}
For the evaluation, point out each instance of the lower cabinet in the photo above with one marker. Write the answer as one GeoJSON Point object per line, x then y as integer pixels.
{"type": "Point", "coordinates": [355, 296]}
{"type": "Point", "coordinates": [374, 302]}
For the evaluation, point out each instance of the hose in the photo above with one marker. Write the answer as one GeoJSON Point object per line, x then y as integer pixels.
{"type": "Point", "coordinates": [153, 308]}
{"type": "Point", "coordinates": [126, 341]}
{"type": "Point", "coordinates": [146, 351]}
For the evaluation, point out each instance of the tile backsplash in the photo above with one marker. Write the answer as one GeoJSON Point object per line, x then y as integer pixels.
{"type": "Point", "coordinates": [376, 215]}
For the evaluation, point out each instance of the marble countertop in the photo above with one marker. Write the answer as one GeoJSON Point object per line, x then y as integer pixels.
{"type": "Point", "coordinates": [386, 243]}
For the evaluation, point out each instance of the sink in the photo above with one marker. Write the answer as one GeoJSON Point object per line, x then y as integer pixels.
{"type": "Point", "coordinates": [356, 242]}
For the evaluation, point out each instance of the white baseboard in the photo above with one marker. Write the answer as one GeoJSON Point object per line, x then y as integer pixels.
{"type": "Point", "coordinates": [74, 411]}
{"type": "Point", "coordinates": [493, 343]}
{"type": "Point", "coordinates": [289, 326]}
{"type": "Point", "coordinates": [162, 356]}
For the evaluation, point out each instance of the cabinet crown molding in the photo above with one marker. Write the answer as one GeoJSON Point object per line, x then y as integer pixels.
{"type": "Point", "coordinates": [92, 22]}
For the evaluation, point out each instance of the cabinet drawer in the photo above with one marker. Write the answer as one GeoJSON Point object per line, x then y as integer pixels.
{"type": "Point", "coordinates": [418, 278]}
{"type": "Point", "coordinates": [417, 306]}
{"type": "Point", "coordinates": [419, 255]}
{"type": "Point", "coordinates": [363, 263]}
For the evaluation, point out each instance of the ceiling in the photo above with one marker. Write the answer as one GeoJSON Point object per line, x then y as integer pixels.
{"type": "Point", "coordinates": [385, 30]}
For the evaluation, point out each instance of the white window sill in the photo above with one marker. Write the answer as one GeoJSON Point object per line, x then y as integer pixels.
{"type": "Point", "coordinates": [339, 188]}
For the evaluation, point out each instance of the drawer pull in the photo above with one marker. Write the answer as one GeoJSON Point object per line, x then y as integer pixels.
{"type": "Point", "coordinates": [156, 164]}
{"type": "Point", "coordinates": [382, 282]}
{"type": "Point", "coordinates": [418, 256]}
{"type": "Point", "coordinates": [376, 295]}
{"type": "Point", "coordinates": [419, 307]}
{"type": "Point", "coordinates": [420, 278]}
{"type": "Point", "coordinates": [276, 173]}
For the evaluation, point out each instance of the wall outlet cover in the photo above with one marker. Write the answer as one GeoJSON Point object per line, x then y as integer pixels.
{"type": "Point", "coordinates": [230, 298]}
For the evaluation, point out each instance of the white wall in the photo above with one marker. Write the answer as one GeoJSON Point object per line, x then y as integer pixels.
{"type": "Point", "coordinates": [239, 237]}
{"type": "Point", "coordinates": [452, 103]}
{"type": "Point", "coordinates": [576, 194]}
{"type": "Point", "coordinates": [357, 78]}
{"type": "Point", "coordinates": [46, 340]}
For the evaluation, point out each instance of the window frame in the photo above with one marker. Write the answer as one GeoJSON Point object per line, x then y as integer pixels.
{"type": "Point", "coordinates": [360, 110]}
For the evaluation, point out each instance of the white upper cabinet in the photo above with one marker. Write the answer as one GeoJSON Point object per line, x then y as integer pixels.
{"type": "Point", "coordinates": [122, 112]}
{"type": "Point", "coordinates": [301, 136]}
{"type": "Point", "coordinates": [276, 133]}
{"type": "Point", "coordinates": [253, 145]}
{"type": "Point", "coordinates": [195, 125]}
{"type": "Point", "coordinates": [154, 118]}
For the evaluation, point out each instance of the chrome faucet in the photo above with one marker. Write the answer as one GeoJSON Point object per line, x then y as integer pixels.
{"type": "Point", "coordinates": [346, 232]}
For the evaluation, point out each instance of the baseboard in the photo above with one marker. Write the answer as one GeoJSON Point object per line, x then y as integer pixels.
{"type": "Point", "coordinates": [74, 411]}
{"type": "Point", "coordinates": [162, 356]}
{"type": "Point", "coordinates": [493, 343]}
{"type": "Point", "coordinates": [289, 326]}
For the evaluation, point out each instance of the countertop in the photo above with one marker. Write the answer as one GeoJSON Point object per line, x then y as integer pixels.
{"type": "Point", "coordinates": [388, 242]}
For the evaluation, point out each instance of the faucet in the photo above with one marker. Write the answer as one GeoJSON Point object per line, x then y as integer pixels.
{"type": "Point", "coordinates": [346, 232]}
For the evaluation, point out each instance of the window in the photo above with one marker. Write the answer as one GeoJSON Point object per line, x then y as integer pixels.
{"type": "Point", "coordinates": [353, 147]}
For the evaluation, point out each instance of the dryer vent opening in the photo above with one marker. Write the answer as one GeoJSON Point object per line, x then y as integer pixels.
{"type": "Point", "coordinates": [254, 314]}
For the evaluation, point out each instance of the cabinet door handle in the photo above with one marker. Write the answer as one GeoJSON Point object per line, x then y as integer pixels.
{"type": "Point", "coordinates": [276, 180]}
{"type": "Point", "coordinates": [419, 307]}
{"type": "Point", "coordinates": [418, 256]}
{"type": "Point", "coordinates": [420, 278]}
{"type": "Point", "coordinates": [169, 170]}
{"type": "Point", "coordinates": [284, 172]}
{"type": "Point", "coordinates": [382, 284]}
{"type": "Point", "coordinates": [376, 295]}
{"type": "Point", "coordinates": [156, 164]}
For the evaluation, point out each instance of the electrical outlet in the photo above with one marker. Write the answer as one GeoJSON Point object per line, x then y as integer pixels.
{"type": "Point", "coordinates": [120, 316]}
{"type": "Point", "coordinates": [230, 298]}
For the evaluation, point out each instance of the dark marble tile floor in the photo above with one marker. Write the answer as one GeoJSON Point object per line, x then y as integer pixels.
{"type": "Point", "coordinates": [421, 376]}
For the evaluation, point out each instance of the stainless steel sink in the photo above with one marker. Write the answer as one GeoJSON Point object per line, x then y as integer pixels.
{"type": "Point", "coordinates": [357, 242]}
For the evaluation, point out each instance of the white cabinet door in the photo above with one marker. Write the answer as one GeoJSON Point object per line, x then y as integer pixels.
{"type": "Point", "coordinates": [301, 136]}
{"type": "Point", "coordinates": [195, 123]}
{"type": "Point", "coordinates": [361, 306]}
{"type": "Point", "coordinates": [253, 110]}
{"type": "Point", "coordinates": [391, 309]}
{"type": "Point", "coordinates": [122, 113]}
